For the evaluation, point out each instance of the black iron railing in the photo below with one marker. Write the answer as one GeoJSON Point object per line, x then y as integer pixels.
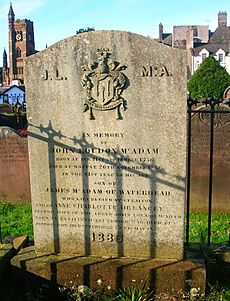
{"type": "Point", "coordinates": [13, 115]}
{"type": "Point", "coordinates": [211, 107]}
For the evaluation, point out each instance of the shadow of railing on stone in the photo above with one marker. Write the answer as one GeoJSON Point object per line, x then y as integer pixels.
{"type": "Point", "coordinates": [115, 159]}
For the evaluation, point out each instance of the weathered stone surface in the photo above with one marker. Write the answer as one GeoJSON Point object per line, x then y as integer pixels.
{"type": "Point", "coordinates": [224, 254]}
{"type": "Point", "coordinates": [14, 167]}
{"type": "Point", "coordinates": [201, 161]}
{"type": "Point", "coordinates": [20, 242]}
{"type": "Point", "coordinates": [162, 276]}
{"type": "Point", "coordinates": [107, 181]}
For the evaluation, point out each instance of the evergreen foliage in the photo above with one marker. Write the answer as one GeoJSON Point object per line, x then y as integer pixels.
{"type": "Point", "coordinates": [81, 30]}
{"type": "Point", "coordinates": [210, 80]}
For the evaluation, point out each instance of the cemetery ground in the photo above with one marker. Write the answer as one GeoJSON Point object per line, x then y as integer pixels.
{"type": "Point", "coordinates": [16, 220]}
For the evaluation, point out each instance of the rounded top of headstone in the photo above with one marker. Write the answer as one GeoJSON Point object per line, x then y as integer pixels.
{"type": "Point", "coordinates": [227, 93]}
{"type": "Point", "coordinates": [88, 39]}
{"type": "Point", "coordinates": [6, 131]}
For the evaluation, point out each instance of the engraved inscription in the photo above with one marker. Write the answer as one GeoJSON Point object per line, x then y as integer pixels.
{"type": "Point", "coordinates": [55, 76]}
{"type": "Point", "coordinates": [109, 237]}
{"type": "Point", "coordinates": [18, 151]}
{"type": "Point", "coordinates": [14, 167]}
{"type": "Point", "coordinates": [104, 204]}
{"type": "Point", "coordinates": [157, 70]}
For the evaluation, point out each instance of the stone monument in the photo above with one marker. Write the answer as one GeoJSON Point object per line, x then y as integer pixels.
{"type": "Point", "coordinates": [14, 167]}
{"type": "Point", "coordinates": [200, 160]}
{"type": "Point", "coordinates": [107, 146]}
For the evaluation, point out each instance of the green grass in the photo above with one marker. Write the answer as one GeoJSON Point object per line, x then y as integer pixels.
{"type": "Point", "coordinates": [219, 229]}
{"type": "Point", "coordinates": [16, 220]}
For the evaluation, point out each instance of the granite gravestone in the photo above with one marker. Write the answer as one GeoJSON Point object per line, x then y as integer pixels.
{"type": "Point", "coordinates": [14, 167]}
{"type": "Point", "coordinates": [107, 145]}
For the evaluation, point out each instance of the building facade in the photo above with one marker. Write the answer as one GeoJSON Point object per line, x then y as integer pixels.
{"type": "Point", "coordinates": [219, 52]}
{"type": "Point", "coordinates": [218, 46]}
{"type": "Point", "coordinates": [12, 95]}
{"type": "Point", "coordinates": [200, 42]}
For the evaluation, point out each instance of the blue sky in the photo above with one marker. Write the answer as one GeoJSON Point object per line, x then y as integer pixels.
{"type": "Point", "coordinates": [56, 20]}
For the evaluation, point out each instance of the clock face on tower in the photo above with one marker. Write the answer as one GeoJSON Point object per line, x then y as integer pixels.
{"type": "Point", "coordinates": [18, 37]}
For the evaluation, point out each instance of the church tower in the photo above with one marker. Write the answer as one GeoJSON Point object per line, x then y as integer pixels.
{"type": "Point", "coordinates": [160, 32]}
{"type": "Point", "coordinates": [222, 19]}
{"type": "Point", "coordinates": [5, 70]}
{"type": "Point", "coordinates": [21, 45]}
{"type": "Point", "coordinates": [11, 36]}
{"type": "Point", "coordinates": [5, 63]}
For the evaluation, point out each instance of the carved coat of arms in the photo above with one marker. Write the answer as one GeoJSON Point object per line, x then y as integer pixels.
{"type": "Point", "coordinates": [104, 83]}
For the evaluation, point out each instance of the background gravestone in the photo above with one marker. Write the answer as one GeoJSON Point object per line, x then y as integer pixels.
{"type": "Point", "coordinates": [227, 93]}
{"type": "Point", "coordinates": [200, 161]}
{"type": "Point", "coordinates": [107, 145]}
{"type": "Point", "coordinates": [14, 167]}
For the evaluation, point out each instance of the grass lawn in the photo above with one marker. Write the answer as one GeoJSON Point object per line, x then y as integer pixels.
{"type": "Point", "coordinates": [16, 220]}
{"type": "Point", "coordinates": [219, 230]}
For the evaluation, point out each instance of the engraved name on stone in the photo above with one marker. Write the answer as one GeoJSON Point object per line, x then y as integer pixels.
{"type": "Point", "coordinates": [55, 76]}
{"type": "Point", "coordinates": [157, 70]}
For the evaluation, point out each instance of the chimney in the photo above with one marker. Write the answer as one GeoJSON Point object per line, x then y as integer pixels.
{"type": "Point", "coordinates": [222, 19]}
{"type": "Point", "coordinates": [160, 32]}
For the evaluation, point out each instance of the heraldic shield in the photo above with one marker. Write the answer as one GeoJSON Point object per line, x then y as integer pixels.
{"type": "Point", "coordinates": [104, 83]}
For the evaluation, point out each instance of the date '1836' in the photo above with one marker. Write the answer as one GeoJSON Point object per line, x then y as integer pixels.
{"type": "Point", "coordinates": [100, 237]}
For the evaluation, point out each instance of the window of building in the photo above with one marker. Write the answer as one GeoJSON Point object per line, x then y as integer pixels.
{"type": "Point", "coordinates": [20, 70]}
{"type": "Point", "coordinates": [18, 52]}
{"type": "Point", "coordinates": [12, 99]}
{"type": "Point", "coordinates": [5, 98]}
{"type": "Point", "coordinates": [221, 57]}
{"type": "Point", "coordinates": [195, 31]}
{"type": "Point", "coordinates": [204, 56]}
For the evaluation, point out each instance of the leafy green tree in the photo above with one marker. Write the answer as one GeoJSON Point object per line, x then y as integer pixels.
{"type": "Point", "coordinates": [81, 30]}
{"type": "Point", "coordinates": [210, 80]}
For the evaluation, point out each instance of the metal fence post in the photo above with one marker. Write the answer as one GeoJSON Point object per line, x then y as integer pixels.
{"type": "Point", "coordinates": [212, 103]}
{"type": "Point", "coordinates": [189, 103]}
